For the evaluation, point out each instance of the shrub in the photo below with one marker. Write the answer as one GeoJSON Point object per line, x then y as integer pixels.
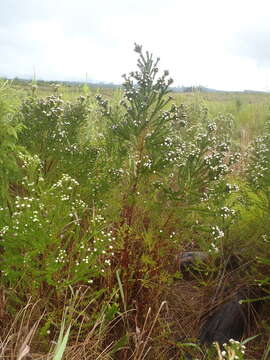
{"type": "Point", "coordinates": [50, 240]}
{"type": "Point", "coordinates": [9, 148]}
{"type": "Point", "coordinates": [52, 131]}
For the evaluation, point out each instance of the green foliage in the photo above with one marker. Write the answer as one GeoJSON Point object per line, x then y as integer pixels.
{"type": "Point", "coordinates": [44, 244]}
{"type": "Point", "coordinates": [40, 117]}
{"type": "Point", "coordinates": [61, 342]}
{"type": "Point", "coordinates": [140, 126]}
{"type": "Point", "coordinates": [9, 129]}
{"type": "Point", "coordinates": [203, 156]}
{"type": "Point", "coordinates": [258, 177]}
{"type": "Point", "coordinates": [258, 170]}
{"type": "Point", "coordinates": [57, 126]}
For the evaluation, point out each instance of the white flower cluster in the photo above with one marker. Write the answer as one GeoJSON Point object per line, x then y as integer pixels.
{"type": "Point", "coordinates": [100, 248]}
{"type": "Point", "coordinates": [29, 161]}
{"type": "Point", "coordinates": [166, 115]}
{"type": "Point", "coordinates": [213, 248]}
{"type": "Point", "coordinates": [258, 169]}
{"type": "Point", "coordinates": [64, 187]}
{"type": "Point", "coordinates": [168, 141]}
{"type": "Point", "coordinates": [223, 147]}
{"type": "Point", "coordinates": [234, 350]}
{"type": "Point", "coordinates": [130, 94]}
{"type": "Point", "coordinates": [205, 196]}
{"type": "Point", "coordinates": [26, 218]}
{"type": "Point", "coordinates": [266, 238]}
{"type": "Point", "coordinates": [97, 218]}
{"type": "Point", "coordinates": [216, 232]}
{"type": "Point", "coordinates": [212, 127]}
{"type": "Point", "coordinates": [4, 230]}
{"type": "Point", "coordinates": [117, 173]}
{"type": "Point", "coordinates": [78, 204]}
{"type": "Point", "coordinates": [52, 106]}
{"type": "Point", "coordinates": [62, 255]}
{"type": "Point", "coordinates": [147, 162]}
{"type": "Point", "coordinates": [225, 212]}
{"type": "Point", "coordinates": [231, 188]}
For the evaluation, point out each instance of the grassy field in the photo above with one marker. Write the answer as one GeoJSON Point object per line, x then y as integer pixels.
{"type": "Point", "coordinates": [102, 190]}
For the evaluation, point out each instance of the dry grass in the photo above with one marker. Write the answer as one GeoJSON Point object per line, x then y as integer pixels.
{"type": "Point", "coordinates": [164, 335]}
{"type": "Point", "coordinates": [16, 339]}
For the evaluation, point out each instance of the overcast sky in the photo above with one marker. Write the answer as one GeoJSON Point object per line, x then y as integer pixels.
{"type": "Point", "coordinates": [222, 44]}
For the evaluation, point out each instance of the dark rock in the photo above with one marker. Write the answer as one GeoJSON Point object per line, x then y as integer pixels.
{"type": "Point", "coordinates": [189, 258]}
{"type": "Point", "coordinates": [229, 321]}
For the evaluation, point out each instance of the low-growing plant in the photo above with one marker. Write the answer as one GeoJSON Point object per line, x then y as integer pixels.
{"type": "Point", "coordinates": [234, 350]}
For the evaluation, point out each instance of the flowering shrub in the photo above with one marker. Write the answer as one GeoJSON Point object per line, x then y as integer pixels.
{"type": "Point", "coordinates": [202, 159]}
{"type": "Point", "coordinates": [9, 148]}
{"type": "Point", "coordinates": [41, 120]}
{"type": "Point", "coordinates": [258, 168]}
{"type": "Point", "coordinates": [258, 177]}
{"type": "Point", "coordinates": [203, 155]}
{"type": "Point", "coordinates": [43, 243]}
{"type": "Point", "coordinates": [52, 131]}
{"type": "Point", "coordinates": [173, 164]}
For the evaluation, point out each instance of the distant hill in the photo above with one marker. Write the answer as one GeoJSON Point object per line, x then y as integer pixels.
{"type": "Point", "coordinates": [187, 89]}
{"type": "Point", "coordinates": [177, 89]}
{"type": "Point", "coordinates": [63, 82]}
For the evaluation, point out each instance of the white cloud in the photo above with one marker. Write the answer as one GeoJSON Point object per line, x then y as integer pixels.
{"type": "Point", "coordinates": [220, 44]}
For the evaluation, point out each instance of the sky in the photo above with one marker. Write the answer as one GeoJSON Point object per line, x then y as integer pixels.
{"type": "Point", "coordinates": [220, 44]}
